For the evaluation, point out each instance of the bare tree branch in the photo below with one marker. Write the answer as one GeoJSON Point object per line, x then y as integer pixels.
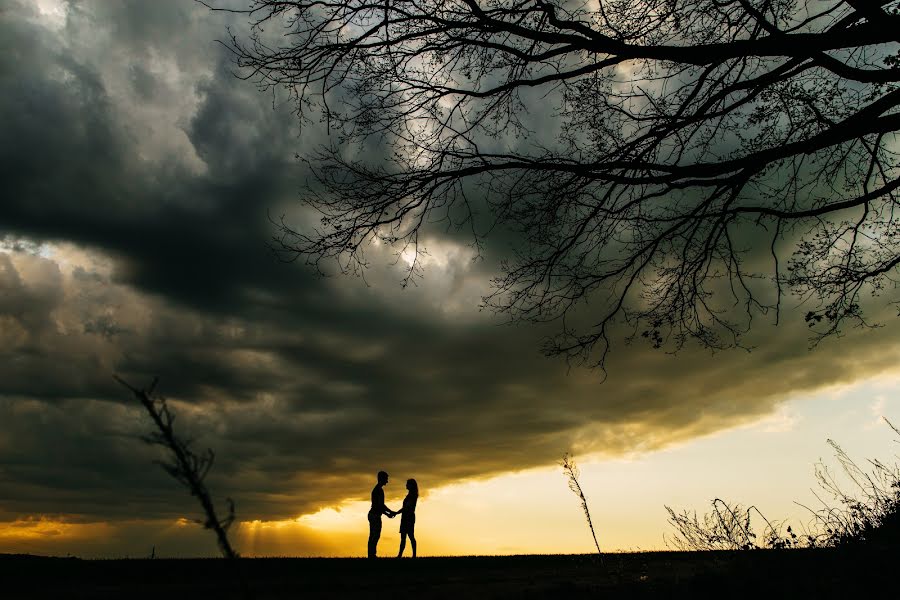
{"type": "Point", "coordinates": [683, 135]}
{"type": "Point", "coordinates": [184, 465]}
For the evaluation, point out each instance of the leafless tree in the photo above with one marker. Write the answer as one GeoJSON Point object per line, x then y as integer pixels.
{"type": "Point", "coordinates": [681, 165]}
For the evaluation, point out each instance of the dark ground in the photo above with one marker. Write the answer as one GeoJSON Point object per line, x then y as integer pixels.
{"type": "Point", "coordinates": [805, 574]}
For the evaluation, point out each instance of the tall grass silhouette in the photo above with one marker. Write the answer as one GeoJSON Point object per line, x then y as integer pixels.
{"type": "Point", "coordinates": [867, 508]}
{"type": "Point", "coordinates": [731, 526]}
{"type": "Point", "coordinates": [572, 473]}
{"type": "Point", "coordinates": [860, 508]}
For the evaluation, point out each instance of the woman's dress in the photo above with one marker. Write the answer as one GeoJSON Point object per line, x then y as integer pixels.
{"type": "Point", "coordinates": [408, 516]}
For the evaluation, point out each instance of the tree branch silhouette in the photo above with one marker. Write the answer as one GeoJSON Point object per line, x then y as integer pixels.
{"type": "Point", "coordinates": [698, 160]}
{"type": "Point", "coordinates": [184, 465]}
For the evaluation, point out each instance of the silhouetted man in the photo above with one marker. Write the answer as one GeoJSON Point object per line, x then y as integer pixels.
{"type": "Point", "coordinates": [378, 509]}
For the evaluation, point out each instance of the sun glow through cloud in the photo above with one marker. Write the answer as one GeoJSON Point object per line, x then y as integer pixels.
{"type": "Point", "coordinates": [763, 462]}
{"type": "Point", "coordinates": [143, 181]}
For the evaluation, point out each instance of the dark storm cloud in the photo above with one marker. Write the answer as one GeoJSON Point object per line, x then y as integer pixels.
{"type": "Point", "coordinates": [148, 171]}
{"type": "Point", "coordinates": [79, 162]}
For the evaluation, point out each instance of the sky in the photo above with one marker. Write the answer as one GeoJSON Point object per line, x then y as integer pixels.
{"type": "Point", "coordinates": [139, 177]}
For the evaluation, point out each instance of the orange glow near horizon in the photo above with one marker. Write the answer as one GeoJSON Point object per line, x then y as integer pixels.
{"type": "Point", "coordinates": [38, 527]}
{"type": "Point", "coordinates": [41, 534]}
{"type": "Point", "coordinates": [767, 463]}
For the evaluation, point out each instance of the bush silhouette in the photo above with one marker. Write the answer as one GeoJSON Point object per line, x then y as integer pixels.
{"type": "Point", "coordinates": [863, 512]}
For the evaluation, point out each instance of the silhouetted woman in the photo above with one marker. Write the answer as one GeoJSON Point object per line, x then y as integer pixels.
{"type": "Point", "coordinates": [408, 517]}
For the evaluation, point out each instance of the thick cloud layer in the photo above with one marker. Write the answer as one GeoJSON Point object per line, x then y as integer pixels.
{"type": "Point", "coordinates": [138, 179]}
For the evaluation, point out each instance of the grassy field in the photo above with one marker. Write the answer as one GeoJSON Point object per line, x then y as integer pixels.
{"type": "Point", "coordinates": [796, 573]}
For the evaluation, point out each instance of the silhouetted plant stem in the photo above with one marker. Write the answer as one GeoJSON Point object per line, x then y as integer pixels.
{"type": "Point", "coordinates": [571, 471]}
{"type": "Point", "coordinates": [188, 468]}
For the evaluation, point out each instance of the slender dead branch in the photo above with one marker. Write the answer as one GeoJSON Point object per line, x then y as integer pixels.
{"type": "Point", "coordinates": [187, 467]}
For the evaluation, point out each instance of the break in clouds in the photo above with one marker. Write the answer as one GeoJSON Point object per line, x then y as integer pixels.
{"type": "Point", "coordinates": [138, 180]}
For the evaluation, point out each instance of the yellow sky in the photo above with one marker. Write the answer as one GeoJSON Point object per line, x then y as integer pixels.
{"type": "Point", "coordinates": [767, 463]}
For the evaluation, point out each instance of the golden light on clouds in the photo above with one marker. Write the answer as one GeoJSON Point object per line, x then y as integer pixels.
{"type": "Point", "coordinates": [47, 535]}
{"type": "Point", "coordinates": [36, 528]}
{"type": "Point", "coordinates": [766, 462]}
{"type": "Point", "coordinates": [143, 254]}
{"type": "Point", "coordinates": [717, 435]}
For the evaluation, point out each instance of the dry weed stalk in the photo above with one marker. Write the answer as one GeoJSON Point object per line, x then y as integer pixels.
{"type": "Point", "coordinates": [572, 472]}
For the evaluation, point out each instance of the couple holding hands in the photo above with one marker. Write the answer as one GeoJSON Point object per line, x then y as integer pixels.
{"type": "Point", "coordinates": [407, 518]}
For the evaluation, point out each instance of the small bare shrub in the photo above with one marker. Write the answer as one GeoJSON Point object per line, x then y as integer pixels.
{"type": "Point", "coordinates": [732, 527]}
{"type": "Point", "coordinates": [868, 513]}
